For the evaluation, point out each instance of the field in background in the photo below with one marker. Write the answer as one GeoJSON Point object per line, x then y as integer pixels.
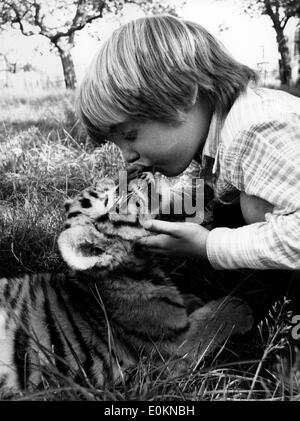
{"type": "Point", "coordinates": [44, 158]}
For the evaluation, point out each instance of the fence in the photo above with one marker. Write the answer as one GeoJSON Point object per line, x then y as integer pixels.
{"type": "Point", "coordinates": [22, 80]}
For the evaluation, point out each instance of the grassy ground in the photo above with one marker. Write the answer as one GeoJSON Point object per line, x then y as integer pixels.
{"type": "Point", "coordinates": [44, 158]}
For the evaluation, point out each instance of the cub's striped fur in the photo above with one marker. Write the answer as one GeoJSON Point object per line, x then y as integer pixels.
{"type": "Point", "coordinates": [113, 306]}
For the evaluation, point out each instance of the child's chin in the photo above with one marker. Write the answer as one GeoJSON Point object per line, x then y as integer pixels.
{"type": "Point", "coordinates": [173, 172]}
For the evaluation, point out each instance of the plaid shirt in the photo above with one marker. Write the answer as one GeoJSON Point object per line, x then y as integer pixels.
{"type": "Point", "coordinates": [257, 151]}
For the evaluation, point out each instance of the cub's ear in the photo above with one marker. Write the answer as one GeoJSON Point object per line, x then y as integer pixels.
{"type": "Point", "coordinates": [83, 247]}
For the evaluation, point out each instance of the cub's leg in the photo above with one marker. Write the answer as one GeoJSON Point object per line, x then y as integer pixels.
{"type": "Point", "coordinates": [212, 324]}
{"type": "Point", "coordinates": [207, 328]}
{"type": "Point", "coordinates": [191, 302]}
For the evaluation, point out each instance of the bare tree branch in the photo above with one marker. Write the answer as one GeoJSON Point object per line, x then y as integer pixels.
{"type": "Point", "coordinates": [30, 17]}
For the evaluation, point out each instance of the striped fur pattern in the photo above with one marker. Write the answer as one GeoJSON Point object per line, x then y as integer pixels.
{"type": "Point", "coordinates": [112, 307]}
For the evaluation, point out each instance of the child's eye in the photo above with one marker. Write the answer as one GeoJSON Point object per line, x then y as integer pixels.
{"type": "Point", "coordinates": [130, 135]}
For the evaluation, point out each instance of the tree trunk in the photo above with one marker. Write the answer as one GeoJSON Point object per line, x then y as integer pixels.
{"type": "Point", "coordinates": [68, 69]}
{"type": "Point", "coordinates": [64, 51]}
{"type": "Point", "coordinates": [298, 54]}
{"type": "Point", "coordinates": [285, 59]}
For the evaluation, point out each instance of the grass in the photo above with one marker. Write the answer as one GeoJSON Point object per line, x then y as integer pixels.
{"type": "Point", "coordinates": [217, 380]}
{"type": "Point", "coordinates": [46, 157]}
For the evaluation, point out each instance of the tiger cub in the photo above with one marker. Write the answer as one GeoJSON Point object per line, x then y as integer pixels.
{"type": "Point", "coordinates": [111, 308]}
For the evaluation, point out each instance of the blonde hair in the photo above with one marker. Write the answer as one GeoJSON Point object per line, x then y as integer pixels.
{"type": "Point", "coordinates": [155, 68]}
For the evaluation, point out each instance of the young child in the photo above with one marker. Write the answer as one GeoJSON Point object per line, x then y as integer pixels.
{"type": "Point", "coordinates": [166, 92]}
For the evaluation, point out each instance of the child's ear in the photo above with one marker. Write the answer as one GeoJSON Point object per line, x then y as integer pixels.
{"type": "Point", "coordinates": [83, 247]}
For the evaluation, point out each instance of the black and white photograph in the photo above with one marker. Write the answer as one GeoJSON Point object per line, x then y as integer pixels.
{"type": "Point", "coordinates": [150, 203]}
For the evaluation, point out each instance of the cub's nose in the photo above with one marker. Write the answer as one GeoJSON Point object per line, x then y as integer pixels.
{"type": "Point", "coordinates": [134, 170]}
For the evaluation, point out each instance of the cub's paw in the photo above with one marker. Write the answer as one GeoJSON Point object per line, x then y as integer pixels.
{"type": "Point", "coordinates": [232, 312]}
{"type": "Point", "coordinates": [214, 323]}
{"type": "Point", "coordinates": [191, 302]}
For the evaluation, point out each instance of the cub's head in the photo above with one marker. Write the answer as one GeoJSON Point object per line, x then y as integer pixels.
{"type": "Point", "coordinates": [102, 224]}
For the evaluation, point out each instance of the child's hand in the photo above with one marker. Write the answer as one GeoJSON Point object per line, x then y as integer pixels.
{"type": "Point", "coordinates": [176, 238]}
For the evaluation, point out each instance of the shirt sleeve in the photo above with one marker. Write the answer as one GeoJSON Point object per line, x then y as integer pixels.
{"type": "Point", "coordinates": [263, 161]}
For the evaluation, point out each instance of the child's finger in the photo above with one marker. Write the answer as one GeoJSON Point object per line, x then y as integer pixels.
{"type": "Point", "coordinates": [163, 227]}
{"type": "Point", "coordinates": [159, 250]}
{"type": "Point", "coordinates": [154, 241]}
{"type": "Point", "coordinates": [151, 241]}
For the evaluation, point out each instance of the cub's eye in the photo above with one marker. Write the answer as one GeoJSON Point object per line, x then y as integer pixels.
{"type": "Point", "coordinates": [130, 135]}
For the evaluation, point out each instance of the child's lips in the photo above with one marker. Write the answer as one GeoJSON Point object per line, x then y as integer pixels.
{"type": "Point", "coordinates": [136, 169]}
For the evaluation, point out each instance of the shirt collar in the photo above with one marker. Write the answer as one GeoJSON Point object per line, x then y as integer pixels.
{"type": "Point", "coordinates": [243, 109]}
{"type": "Point", "coordinates": [212, 142]}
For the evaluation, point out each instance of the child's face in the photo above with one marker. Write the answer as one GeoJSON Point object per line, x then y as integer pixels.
{"type": "Point", "coordinates": [167, 148]}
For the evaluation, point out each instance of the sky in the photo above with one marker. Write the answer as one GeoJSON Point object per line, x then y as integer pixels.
{"type": "Point", "coordinates": [250, 40]}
